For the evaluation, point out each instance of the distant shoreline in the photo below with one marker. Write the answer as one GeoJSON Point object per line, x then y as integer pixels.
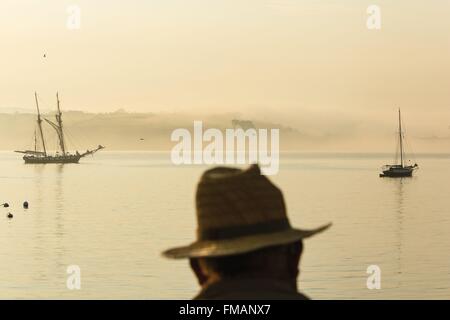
{"type": "Point", "coordinates": [320, 154]}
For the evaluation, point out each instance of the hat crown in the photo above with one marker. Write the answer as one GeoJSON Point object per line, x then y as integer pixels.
{"type": "Point", "coordinates": [235, 203]}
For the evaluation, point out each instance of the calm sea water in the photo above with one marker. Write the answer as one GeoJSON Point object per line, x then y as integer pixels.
{"type": "Point", "coordinates": [113, 214]}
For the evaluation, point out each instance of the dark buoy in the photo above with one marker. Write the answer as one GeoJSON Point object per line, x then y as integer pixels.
{"type": "Point", "coordinates": [25, 205]}
{"type": "Point", "coordinates": [6, 205]}
{"type": "Point", "coordinates": [9, 215]}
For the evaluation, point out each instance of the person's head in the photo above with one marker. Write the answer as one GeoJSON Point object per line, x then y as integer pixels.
{"type": "Point", "coordinates": [275, 262]}
{"type": "Point", "coordinates": [243, 228]}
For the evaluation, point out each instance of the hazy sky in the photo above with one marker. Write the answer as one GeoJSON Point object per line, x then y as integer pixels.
{"type": "Point", "coordinates": [283, 56]}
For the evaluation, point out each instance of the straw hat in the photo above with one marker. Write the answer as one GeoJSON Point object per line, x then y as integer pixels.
{"type": "Point", "coordinates": [239, 211]}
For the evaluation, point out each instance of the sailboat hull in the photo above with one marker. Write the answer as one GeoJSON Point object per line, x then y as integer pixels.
{"type": "Point", "coordinates": [394, 172]}
{"type": "Point", "coordinates": [52, 159]}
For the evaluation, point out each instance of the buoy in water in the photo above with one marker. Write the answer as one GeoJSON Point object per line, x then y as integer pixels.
{"type": "Point", "coordinates": [6, 205]}
{"type": "Point", "coordinates": [9, 215]}
{"type": "Point", "coordinates": [25, 204]}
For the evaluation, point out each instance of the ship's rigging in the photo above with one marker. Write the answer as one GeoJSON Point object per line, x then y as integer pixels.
{"type": "Point", "coordinates": [37, 156]}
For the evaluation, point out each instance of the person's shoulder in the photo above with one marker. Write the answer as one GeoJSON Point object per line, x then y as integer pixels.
{"type": "Point", "coordinates": [248, 296]}
{"type": "Point", "coordinates": [249, 289]}
{"type": "Point", "coordinates": [219, 294]}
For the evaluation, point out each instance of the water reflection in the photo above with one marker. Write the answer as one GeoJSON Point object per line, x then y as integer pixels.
{"type": "Point", "coordinates": [398, 187]}
{"type": "Point", "coordinates": [39, 246]}
{"type": "Point", "coordinates": [38, 177]}
{"type": "Point", "coordinates": [59, 197]}
{"type": "Point", "coordinates": [400, 182]}
{"type": "Point", "coordinates": [47, 210]}
{"type": "Point", "coordinates": [59, 210]}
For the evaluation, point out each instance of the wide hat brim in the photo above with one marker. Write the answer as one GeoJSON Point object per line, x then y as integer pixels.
{"type": "Point", "coordinates": [240, 245]}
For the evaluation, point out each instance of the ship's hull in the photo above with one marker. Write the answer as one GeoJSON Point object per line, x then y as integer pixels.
{"type": "Point", "coordinates": [398, 172]}
{"type": "Point", "coordinates": [52, 159]}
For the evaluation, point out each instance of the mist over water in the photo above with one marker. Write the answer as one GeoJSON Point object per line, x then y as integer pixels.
{"type": "Point", "coordinates": [114, 213]}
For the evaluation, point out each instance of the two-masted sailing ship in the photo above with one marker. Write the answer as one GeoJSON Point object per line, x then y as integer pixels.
{"type": "Point", "coordinates": [62, 155]}
{"type": "Point", "coordinates": [399, 170]}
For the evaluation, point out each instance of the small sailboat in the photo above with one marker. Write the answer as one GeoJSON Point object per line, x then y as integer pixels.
{"type": "Point", "coordinates": [42, 156]}
{"type": "Point", "coordinates": [399, 170]}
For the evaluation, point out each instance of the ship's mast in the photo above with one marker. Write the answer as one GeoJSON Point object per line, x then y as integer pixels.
{"type": "Point", "coordinates": [39, 121]}
{"type": "Point", "coordinates": [35, 141]}
{"type": "Point", "coordinates": [60, 125]}
{"type": "Point", "coordinates": [400, 136]}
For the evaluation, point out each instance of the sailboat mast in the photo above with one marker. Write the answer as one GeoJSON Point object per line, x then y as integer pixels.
{"type": "Point", "coordinates": [60, 125]}
{"type": "Point", "coordinates": [400, 136]}
{"type": "Point", "coordinates": [35, 141]}
{"type": "Point", "coordinates": [39, 121]}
